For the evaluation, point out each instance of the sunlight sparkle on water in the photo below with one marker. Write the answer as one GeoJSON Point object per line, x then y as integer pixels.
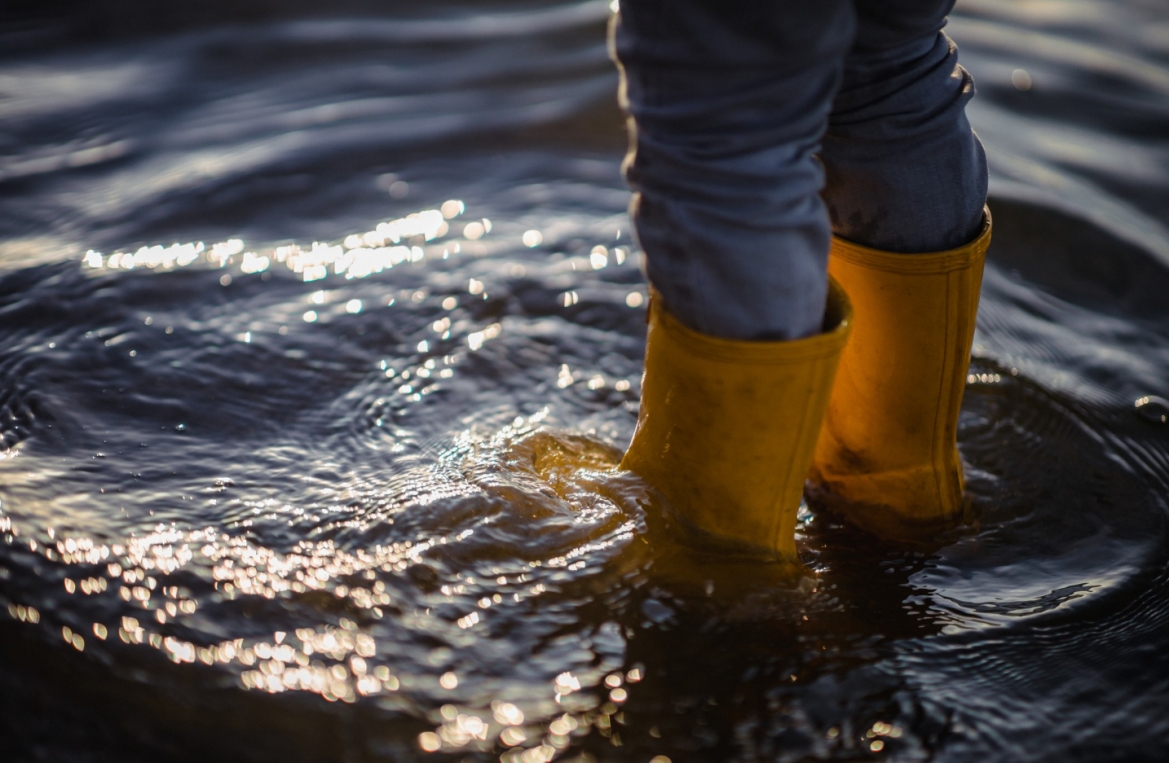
{"type": "Point", "coordinates": [360, 255]}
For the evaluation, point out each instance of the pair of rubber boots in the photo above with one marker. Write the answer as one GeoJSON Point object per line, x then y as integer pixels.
{"type": "Point", "coordinates": [730, 430]}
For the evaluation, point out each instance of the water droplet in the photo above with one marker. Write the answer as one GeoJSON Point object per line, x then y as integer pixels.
{"type": "Point", "coordinates": [1153, 408]}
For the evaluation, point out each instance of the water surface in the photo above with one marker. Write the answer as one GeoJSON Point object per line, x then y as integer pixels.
{"type": "Point", "coordinates": [320, 337]}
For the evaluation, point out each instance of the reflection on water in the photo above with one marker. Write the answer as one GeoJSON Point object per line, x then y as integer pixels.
{"type": "Point", "coordinates": [333, 476]}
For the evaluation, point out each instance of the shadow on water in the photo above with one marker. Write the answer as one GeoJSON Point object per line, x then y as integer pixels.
{"type": "Point", "coordinates": [333, 477]}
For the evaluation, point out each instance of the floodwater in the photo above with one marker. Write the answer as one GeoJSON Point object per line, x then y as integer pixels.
{"type": "Point", "coordinates": [320, 336]}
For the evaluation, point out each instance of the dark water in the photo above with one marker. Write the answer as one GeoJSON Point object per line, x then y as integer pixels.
{"type": "Point", "coordinates": [331, 477]}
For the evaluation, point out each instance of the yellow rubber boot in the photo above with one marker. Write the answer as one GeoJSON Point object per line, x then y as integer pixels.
{"type": "Point", "coordinates": [727, 427]}
{"type": "Point", "coordinates": [887, 455]}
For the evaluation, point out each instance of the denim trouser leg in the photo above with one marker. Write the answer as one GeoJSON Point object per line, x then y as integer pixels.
{"type": "Point", "coordinates": [905, 173]}
{"type": "Point", "coordinates": [729, 101]}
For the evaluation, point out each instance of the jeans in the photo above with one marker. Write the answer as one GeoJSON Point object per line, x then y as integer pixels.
{"type": "Point", "coordinates": [758, 129]}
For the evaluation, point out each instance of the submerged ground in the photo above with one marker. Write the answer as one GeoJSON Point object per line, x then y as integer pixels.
{"type": "Point", "coordinates": [309, 323]}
